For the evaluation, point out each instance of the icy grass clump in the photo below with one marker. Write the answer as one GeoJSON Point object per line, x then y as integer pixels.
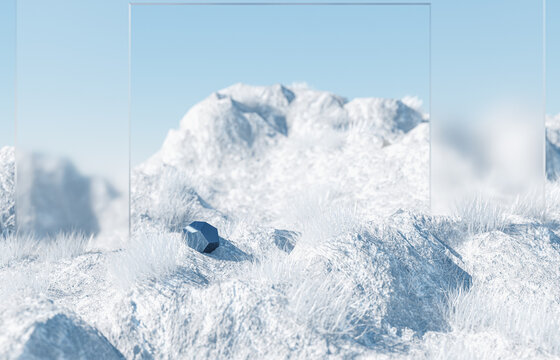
{"type": "Point", "coordinates": [63, 246]}
{"type": "Point", "coordinates": [524, 322]}
{"type": "Point", "coordinates": [317, 299]}
{"type": "Point", "coordinates": [479, 216]}
{"type": "Point", "coordinates": [26, 263]}
{"type": "Point", "coordinates": [17, 284]}
{"type": "Point", "coordinates": [167, 200]}
{"type": "Point", "coordinates": [148, 256]}
{"type": "Point", "coordinates": [318, 217]}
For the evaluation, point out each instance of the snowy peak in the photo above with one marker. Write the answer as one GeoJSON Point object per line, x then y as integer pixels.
{"type": "Point", "coordinates": [243, 121]}
{"type": "Point", "coordinates": [389, 118]}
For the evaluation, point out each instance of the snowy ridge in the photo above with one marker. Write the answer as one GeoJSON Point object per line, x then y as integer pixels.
{"type": "Point", "coordinates": [242, 120]}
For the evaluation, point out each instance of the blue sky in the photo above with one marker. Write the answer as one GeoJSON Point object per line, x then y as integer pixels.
{"type": "Point", "coordinates": [74, 61]}
{"type": "Point", "coordinates": [7, 73]}
{"type": "Point", "coordinates": [553, 56]}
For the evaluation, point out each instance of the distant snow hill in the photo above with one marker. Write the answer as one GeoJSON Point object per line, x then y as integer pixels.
{"type": "Point", "coordinates": [254, 150]}
{"type": "Point", "coordinates": [242, 121]}
{"type": "Point", "coordinates": [45, 180]}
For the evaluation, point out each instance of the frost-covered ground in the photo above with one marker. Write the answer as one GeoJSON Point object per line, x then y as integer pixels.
{"type": "Point", "coordinates": [327, 248]}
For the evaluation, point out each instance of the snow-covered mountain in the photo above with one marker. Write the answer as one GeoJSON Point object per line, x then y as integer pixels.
{"type": "Point", "coordinates": [243, 121]}
{"type": "Point", "coordinates": [367, 274]}
{"type": "Point", "coordinates": [255, 150]}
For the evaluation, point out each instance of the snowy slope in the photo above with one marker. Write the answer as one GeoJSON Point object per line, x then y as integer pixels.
{"type": "Point", "coordinates": [366, 275]}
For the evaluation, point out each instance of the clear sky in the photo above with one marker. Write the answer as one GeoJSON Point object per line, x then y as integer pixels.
{"type": "Point", "coordinates": [7, 71]}
{"type": "Point", "coordinates": [74, 61]}
{"type": "Point", "coordinates": [553, 56]}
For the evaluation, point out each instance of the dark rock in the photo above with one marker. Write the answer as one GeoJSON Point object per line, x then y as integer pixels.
{"type": "Point", "coordinates": [202, 236]}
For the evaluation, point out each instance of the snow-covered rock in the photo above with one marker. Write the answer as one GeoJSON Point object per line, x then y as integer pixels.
{"type": "Point", "coordinates": [63, 337]}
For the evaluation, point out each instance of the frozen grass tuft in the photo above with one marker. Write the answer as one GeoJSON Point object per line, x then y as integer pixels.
{"type": "Point", "coordinates": [480, 215]}
{"type": "Point", "coordinates": [168, 200]}
{"type": "Point", "coordinates": [148, 255]}
{"type": "Point", "coordinates": [62, 246]}
{"type": "Point", "coordinates": [324, 301]}
{"type": "Point", "coordinates": [320, 219]}
{"type": "Point", "coordinates": [527, 322]}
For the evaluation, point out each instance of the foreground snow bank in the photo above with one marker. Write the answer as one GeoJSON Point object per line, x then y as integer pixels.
{"type": "Point", "coordinates": [355, 290]}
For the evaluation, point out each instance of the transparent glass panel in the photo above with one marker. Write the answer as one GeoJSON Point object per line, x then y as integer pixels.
{"type": "Point", "coordinates": [265, 111]}
{"type": "Point", "coordinates": [553, 90]}
{"type": "Point", "coordinates": [72, 151]}
{"type": "Point", "coordinates": [7, 109]}
{"type": "Point", "coordinates": [487, 118]}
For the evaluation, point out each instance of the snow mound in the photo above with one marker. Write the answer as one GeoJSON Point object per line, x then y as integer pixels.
{"type": "Point", "coordinates": [245, 147]}
{"type": "Point", "coordinates": [62, 337]}
{"type": "Point", "coordinates": [351, 291]}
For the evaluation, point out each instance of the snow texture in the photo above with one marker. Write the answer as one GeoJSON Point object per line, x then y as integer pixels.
{"type": "Point", "coordinates": [326, 250]}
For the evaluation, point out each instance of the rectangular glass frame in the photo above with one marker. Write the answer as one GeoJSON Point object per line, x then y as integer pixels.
{"type": "Point", "coordinates": [488, 104]}
{"type": "Point", "coordinates": [137, 159]}
{"type": "Point", "coordinates": [72, 148]}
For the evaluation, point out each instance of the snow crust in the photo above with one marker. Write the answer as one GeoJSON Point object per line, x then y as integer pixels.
{"type": "Point", "coordinates": [367, 273]}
